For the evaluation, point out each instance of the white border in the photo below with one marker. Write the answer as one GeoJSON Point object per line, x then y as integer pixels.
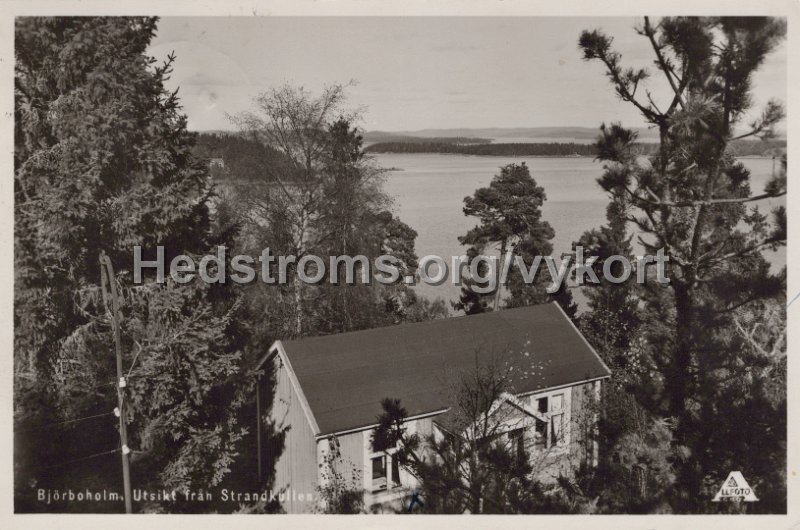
{"type": "Point", "coordinates": [598, 8]}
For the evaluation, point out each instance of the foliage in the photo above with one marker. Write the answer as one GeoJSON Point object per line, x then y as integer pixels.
{"type": "Point", "coordinates": [425, 145]}
{"type": "Point", "coordinates": [103, 163]}
{"type": "Point", "coordinates": [340, 490]}
{"type": "Point", "coordinates": [509, 211]}
{"type": "Point", "coordinates": [378, 137]}
{"type": "Point", "coordinates": [693, 199]}
{"type": "Point", "coordinates": [469, 463]}
{"type": "Point", "coordinates": [612, 321]}
{"type": "Point", "coordinates": [458, 146]}
{"type": "Point", "coordinates": [325, 198]}
{"type": "Point", "coordinates": [310, 189]}
{"type": "Point", "coordinates": [243, 158]}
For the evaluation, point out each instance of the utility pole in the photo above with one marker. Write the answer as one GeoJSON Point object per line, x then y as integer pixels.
{"type": "Point", "coordinates": [258, 424]}
{"type": "Point", "coordinates": [108, 278]}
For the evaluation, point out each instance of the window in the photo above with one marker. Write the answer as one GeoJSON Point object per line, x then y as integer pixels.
{"type": "Point", "coordinates": [556, 429]}
{"type": "Point", "coordinates": [385, 472]}
{"type": "Point", "coordinates": [395, 472]}
{"type": "Point", "coordinates": [557, 403]}
{"type": "Point", "coordinates": [541, 433]}
{"type": "Point", "coordinates": [379, 473]}
{"type": "Point", "coordinates": [486, 442]}
{"type": "Point", "coordinates": [552, 428]}
{"type": "Point", "coordinates": [517, 439]}
{"type": "Point", "coordinates": [557, 419]}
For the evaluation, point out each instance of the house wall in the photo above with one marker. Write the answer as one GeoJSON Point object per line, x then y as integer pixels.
{"type": "Point", "coordinates": [581, 426]}
{"type": "Point", "coordinates": [397, 498]}
{"type": "Point", "coordinates": [584, 423]}
{"type": "Point", "coordinates": [350, 461]}
{"type": "Point", "coordinates": [296, 469]}
{"type": "Point", "coordinates": [355, 452]}
{"type": "Point", "coordinates": [552, 462]}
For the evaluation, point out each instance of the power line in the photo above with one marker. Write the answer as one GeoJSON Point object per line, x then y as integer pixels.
{"type": "Point", "coordinates": [65, 422]}
{"type": "Point", "coordinates": [134, 361]}
{"type": "Point", "coordinates": [793, 299]}
{"type": "Point", "coordinates": [34, 468]}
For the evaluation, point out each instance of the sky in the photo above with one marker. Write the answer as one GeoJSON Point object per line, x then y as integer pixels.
{"type": "Point", "coordinates": [417, 72]}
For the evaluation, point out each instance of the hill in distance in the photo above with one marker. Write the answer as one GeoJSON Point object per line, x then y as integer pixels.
{"type": "Point", "coordinates": [531, 133]}
{"type": "Point", "coordinates": [479, 134]}
{"type": "Point", "coordinates": [498, 134]}
{"type": "Point", "coordinates": [525, 134]}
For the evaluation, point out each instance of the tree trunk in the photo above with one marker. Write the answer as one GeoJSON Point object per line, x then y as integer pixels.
{"type": "Point", "coordinates": [681, 363]}
{"type": "Point", "coordinates": [682, 387]}
{"type": "Point", "coordinates": [298, 304]}
{"type": "Point", "coordinates": [499, 274]}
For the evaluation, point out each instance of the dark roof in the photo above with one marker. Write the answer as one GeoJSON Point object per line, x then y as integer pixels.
{"type": "Point", "coordinates": [345, 376]}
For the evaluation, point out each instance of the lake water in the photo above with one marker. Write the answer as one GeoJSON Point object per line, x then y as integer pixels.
{"type": "Point", "coordinates": [430, 190]}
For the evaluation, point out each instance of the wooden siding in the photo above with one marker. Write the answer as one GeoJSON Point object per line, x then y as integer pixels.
{"type": "Point", "coordinates": [583, 423]}
{"type": "Point", "coordinates": [356, 453]}
{"type": "Point", "coordinates": [351, 451]}
{"type": "Point", "coordinates": [298, 467]}
{"type": "Point", "coordinates": [296, 470]}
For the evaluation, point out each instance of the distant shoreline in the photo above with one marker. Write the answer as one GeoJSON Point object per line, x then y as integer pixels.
{"type": "Point", "coordinates": [492, 155]}
{"type": "Point", "coordinates": [749, 157]}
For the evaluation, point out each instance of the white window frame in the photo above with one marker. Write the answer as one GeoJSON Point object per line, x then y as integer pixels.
{"type": "Point", "coordinates": [565, 411]}
{"type": "Point", "coordinates": [386, 469]}
{"type": "Point", "coordinates": [392, 482]}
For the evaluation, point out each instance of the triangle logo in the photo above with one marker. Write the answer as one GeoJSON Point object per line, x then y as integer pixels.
{"type": "Point", "coordinates": [735, 488]}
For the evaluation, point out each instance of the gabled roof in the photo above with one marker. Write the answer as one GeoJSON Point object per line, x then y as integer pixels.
{"type": "Point", "coordinates": [345, 376]}
{"type": "Point", "coordinates": [452, 422]}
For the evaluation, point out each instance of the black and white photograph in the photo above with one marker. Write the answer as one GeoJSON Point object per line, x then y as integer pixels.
{"type": "Point", "coordinates": [399, 265]}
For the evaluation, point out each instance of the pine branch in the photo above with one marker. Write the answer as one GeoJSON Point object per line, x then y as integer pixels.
{"type": "Point", "coordinates": [703, 202]}
{"type": "Point", "coordinates": [650, 32]}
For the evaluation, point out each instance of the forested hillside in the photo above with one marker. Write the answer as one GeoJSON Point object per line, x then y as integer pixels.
{"type": "Point", "coordinates": [765, 148]}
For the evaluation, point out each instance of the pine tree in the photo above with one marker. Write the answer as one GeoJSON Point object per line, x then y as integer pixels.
{"type": "Point", "coordinates": [694, 200]}
{"type": "Point", "coordinates": [612, 317]}
{"type": "Point", "coordinates": [509, 211]}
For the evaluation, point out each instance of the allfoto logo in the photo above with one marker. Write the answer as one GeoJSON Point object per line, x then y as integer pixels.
{"type": "Point", "coordinates": [735, 488]}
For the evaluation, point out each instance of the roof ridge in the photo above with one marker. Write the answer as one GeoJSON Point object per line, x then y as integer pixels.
{"type": "Point", "coordinates": [345, 376]}
{"type": "Point", "coordinates": [404, 325]}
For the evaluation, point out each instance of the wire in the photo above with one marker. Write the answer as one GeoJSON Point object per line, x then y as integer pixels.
{"type": "Point", "coordinates": [75, 420]}
{"type": "Point", "coordinates": [71, 461]}
{"type": "Point", "coordinates": [134, 361]}
{"type": "Point", "coordinates": [793, 299]}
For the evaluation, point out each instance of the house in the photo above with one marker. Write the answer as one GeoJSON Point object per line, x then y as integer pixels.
{"type": "Point", "coordinates": [328, 393]}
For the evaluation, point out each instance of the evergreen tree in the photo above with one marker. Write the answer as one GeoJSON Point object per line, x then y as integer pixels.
{"type": "Point", "coordinates": [510, 215]}
{"type": "Point", "coordinates": [612, 319]}
{"type": "Point", "coordinates": [693, 199]}
{"type": "Point", "coordinates": [102, 164]}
